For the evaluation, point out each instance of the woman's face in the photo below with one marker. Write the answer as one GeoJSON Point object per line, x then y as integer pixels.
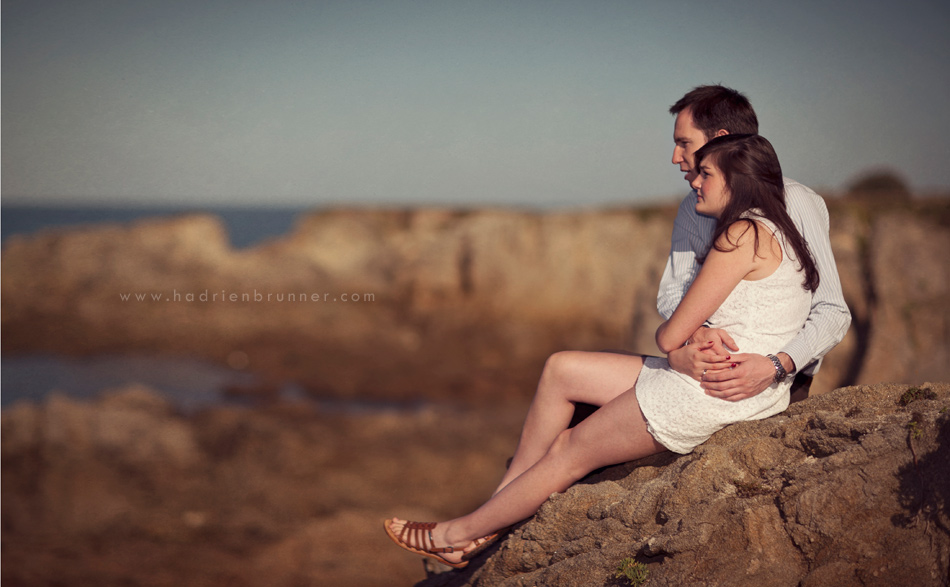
{"type": "Point", "coordinates": [711, 190]}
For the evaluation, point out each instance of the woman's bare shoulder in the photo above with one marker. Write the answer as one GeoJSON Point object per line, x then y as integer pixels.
{"type": "Point", "coordinates": [750, 240]}
{"type": "Point", "coordinates": [739, 234]}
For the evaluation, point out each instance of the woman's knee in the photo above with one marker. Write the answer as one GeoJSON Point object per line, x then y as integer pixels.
{"type": "Point", "coordinates": [555, 378]}
{"type": "Point", "coordinates": [555, 362]}
{"type": "Point", "coordinates": [560, 366]}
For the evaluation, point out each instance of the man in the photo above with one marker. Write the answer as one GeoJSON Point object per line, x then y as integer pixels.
{"type": "Point", "coordinates": [711, 356]}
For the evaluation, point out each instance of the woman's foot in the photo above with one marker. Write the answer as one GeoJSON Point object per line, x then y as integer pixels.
{"type": "Point", "coordinates": [423, 539]}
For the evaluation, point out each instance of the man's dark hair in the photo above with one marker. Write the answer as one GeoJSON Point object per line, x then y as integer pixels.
{"type": "Point", "coordinates": [718, 107]}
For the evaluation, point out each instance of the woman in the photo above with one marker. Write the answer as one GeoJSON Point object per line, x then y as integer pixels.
{"type": "Point", "coordinates": [756, 282]}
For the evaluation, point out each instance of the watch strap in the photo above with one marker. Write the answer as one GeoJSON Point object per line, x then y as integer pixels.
{"type": "Point", "coordinates": [780, 372]}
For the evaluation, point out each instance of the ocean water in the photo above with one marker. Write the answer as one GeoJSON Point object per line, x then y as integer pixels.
{"type": "Point", "coordinates": [246, 226]}
{"type": "Point", "coordinates": [189, 384]}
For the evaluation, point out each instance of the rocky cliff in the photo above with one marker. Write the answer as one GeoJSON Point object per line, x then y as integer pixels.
{"type": "Point", "coordinates": [847, 488]}
{"type": "Point", "coordinates": [126, 491]}
{"type": "Point", "coordinates": [459, 308]}
{"type": "Point", "coordinates": [439, 303]}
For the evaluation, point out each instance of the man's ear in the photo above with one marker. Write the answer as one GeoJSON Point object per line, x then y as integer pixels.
{"type": "Point", "coordinates": [722, 132]}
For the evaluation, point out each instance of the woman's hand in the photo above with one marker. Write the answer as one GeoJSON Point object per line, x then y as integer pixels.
{"type": "Point", "coordinates": [723, 344]}
{"type": "Point", "coordinates": [694, 360]}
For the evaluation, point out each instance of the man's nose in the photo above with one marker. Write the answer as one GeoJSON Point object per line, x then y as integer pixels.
{"type": "Point", "coordinates": [677, 155]}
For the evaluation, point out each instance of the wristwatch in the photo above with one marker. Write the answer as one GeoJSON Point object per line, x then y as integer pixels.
{"type": "Point", "coordinates": [780, 372]}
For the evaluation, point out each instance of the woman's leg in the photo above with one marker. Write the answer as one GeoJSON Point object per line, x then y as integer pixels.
{"type": "Point", "coordinates": [568, 378]}
{"type": "Point", "coordinates": [615, 433]}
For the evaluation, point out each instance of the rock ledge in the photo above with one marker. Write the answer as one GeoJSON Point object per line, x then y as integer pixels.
{"type": "Point", "coordinates": [848, 488]}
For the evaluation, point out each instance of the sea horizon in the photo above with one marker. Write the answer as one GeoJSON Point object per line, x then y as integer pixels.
{"type": "Point", "coordinates": [247, 224]}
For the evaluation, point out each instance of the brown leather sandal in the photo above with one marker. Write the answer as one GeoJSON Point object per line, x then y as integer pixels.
{"type": "Point", "coordinates": [416, 537]}
{"type": "Point", "coordinates": [480, 544]}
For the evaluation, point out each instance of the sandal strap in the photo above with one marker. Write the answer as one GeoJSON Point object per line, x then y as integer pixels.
{"type": "Point", "coordinates": [420, 536]}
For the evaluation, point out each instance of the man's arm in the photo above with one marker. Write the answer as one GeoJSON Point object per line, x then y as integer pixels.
{"type": "Point", "coordinates": [748, 375]}
{"type": "Point", "coordinates": [829, 318]}
{"type": "Point", "coordinates": [691, 236]}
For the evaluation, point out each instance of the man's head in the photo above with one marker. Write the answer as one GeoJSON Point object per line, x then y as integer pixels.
{"type": "Point", "coordinates": [704, 113]}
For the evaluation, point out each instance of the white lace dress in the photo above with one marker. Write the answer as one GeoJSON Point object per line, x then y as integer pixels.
{"type": "Point", "coordinates": [762, 316]}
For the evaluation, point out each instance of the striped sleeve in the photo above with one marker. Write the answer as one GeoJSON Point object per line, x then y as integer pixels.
{"type": "Point", "coordinates": [829, 318]}
{"type": "Point", "coordinates": [692, 234]}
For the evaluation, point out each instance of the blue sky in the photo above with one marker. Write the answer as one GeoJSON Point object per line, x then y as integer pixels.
{"type": "Point", "coordinates": [527, 103]}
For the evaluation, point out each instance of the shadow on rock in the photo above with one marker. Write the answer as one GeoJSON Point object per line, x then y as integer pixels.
{"type": "Point", "coordinates": [925, 482]}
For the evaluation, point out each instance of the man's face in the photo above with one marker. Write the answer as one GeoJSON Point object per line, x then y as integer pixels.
{"type": "Point", "coordinates": [686, 140]}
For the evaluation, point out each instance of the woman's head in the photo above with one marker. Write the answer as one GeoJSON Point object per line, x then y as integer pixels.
{"type": "Point", "coordinates": [746, 168]}
{"type": "Point", "coordinates": [739, 173]}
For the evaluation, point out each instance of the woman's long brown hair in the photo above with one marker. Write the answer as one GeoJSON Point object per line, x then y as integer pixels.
{"type": "Point", "coordinates": [753, 177]}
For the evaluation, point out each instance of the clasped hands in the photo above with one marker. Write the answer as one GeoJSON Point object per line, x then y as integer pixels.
{"type": "Point", "coordinates": [712, 358]}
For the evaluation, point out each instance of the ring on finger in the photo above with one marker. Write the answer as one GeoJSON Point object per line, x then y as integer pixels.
{"type": "Point", "coordinates": [704, 374]}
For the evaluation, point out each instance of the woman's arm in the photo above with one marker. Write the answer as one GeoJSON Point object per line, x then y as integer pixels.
{"type": "Point", "coordinates": [719, 275]}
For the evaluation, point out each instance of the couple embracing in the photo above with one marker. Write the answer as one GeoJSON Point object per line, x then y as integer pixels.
{"type": "Point", "coordinates": [752, 302]}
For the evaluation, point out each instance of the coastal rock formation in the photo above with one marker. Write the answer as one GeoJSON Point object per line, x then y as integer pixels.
{"type": "Point", "coordinates": [453, 313]}
{"type": "Point", "coordinates": [850, 487]}
{"type": "Point", "coordinates": [126, 491]}
{"type": "Point", "coordinates": [441, 304]}
{"type": "Point", "coordinates": [353, 303]}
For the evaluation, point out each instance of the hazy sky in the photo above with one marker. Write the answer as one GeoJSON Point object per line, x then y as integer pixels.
{"type": "Point", "coordinates": [534, 103]}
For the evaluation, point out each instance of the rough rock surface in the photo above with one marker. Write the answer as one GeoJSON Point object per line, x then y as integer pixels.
{"type": "Point", "coordinates": [125, 491]}
{"type": "Point", "coordinates": [849, 488]}
{"type": "Point", "coordinates": [452, 304]}
{"type": "Point", "coordinates": [474, 300]}
{"type": "Point", "coordinates": [465, 307]}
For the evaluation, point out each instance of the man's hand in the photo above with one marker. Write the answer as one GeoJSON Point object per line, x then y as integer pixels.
{"type": "Point", "coordinates": [749, 375]}
{"type": "Point", "coordinates": [705, 352]}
